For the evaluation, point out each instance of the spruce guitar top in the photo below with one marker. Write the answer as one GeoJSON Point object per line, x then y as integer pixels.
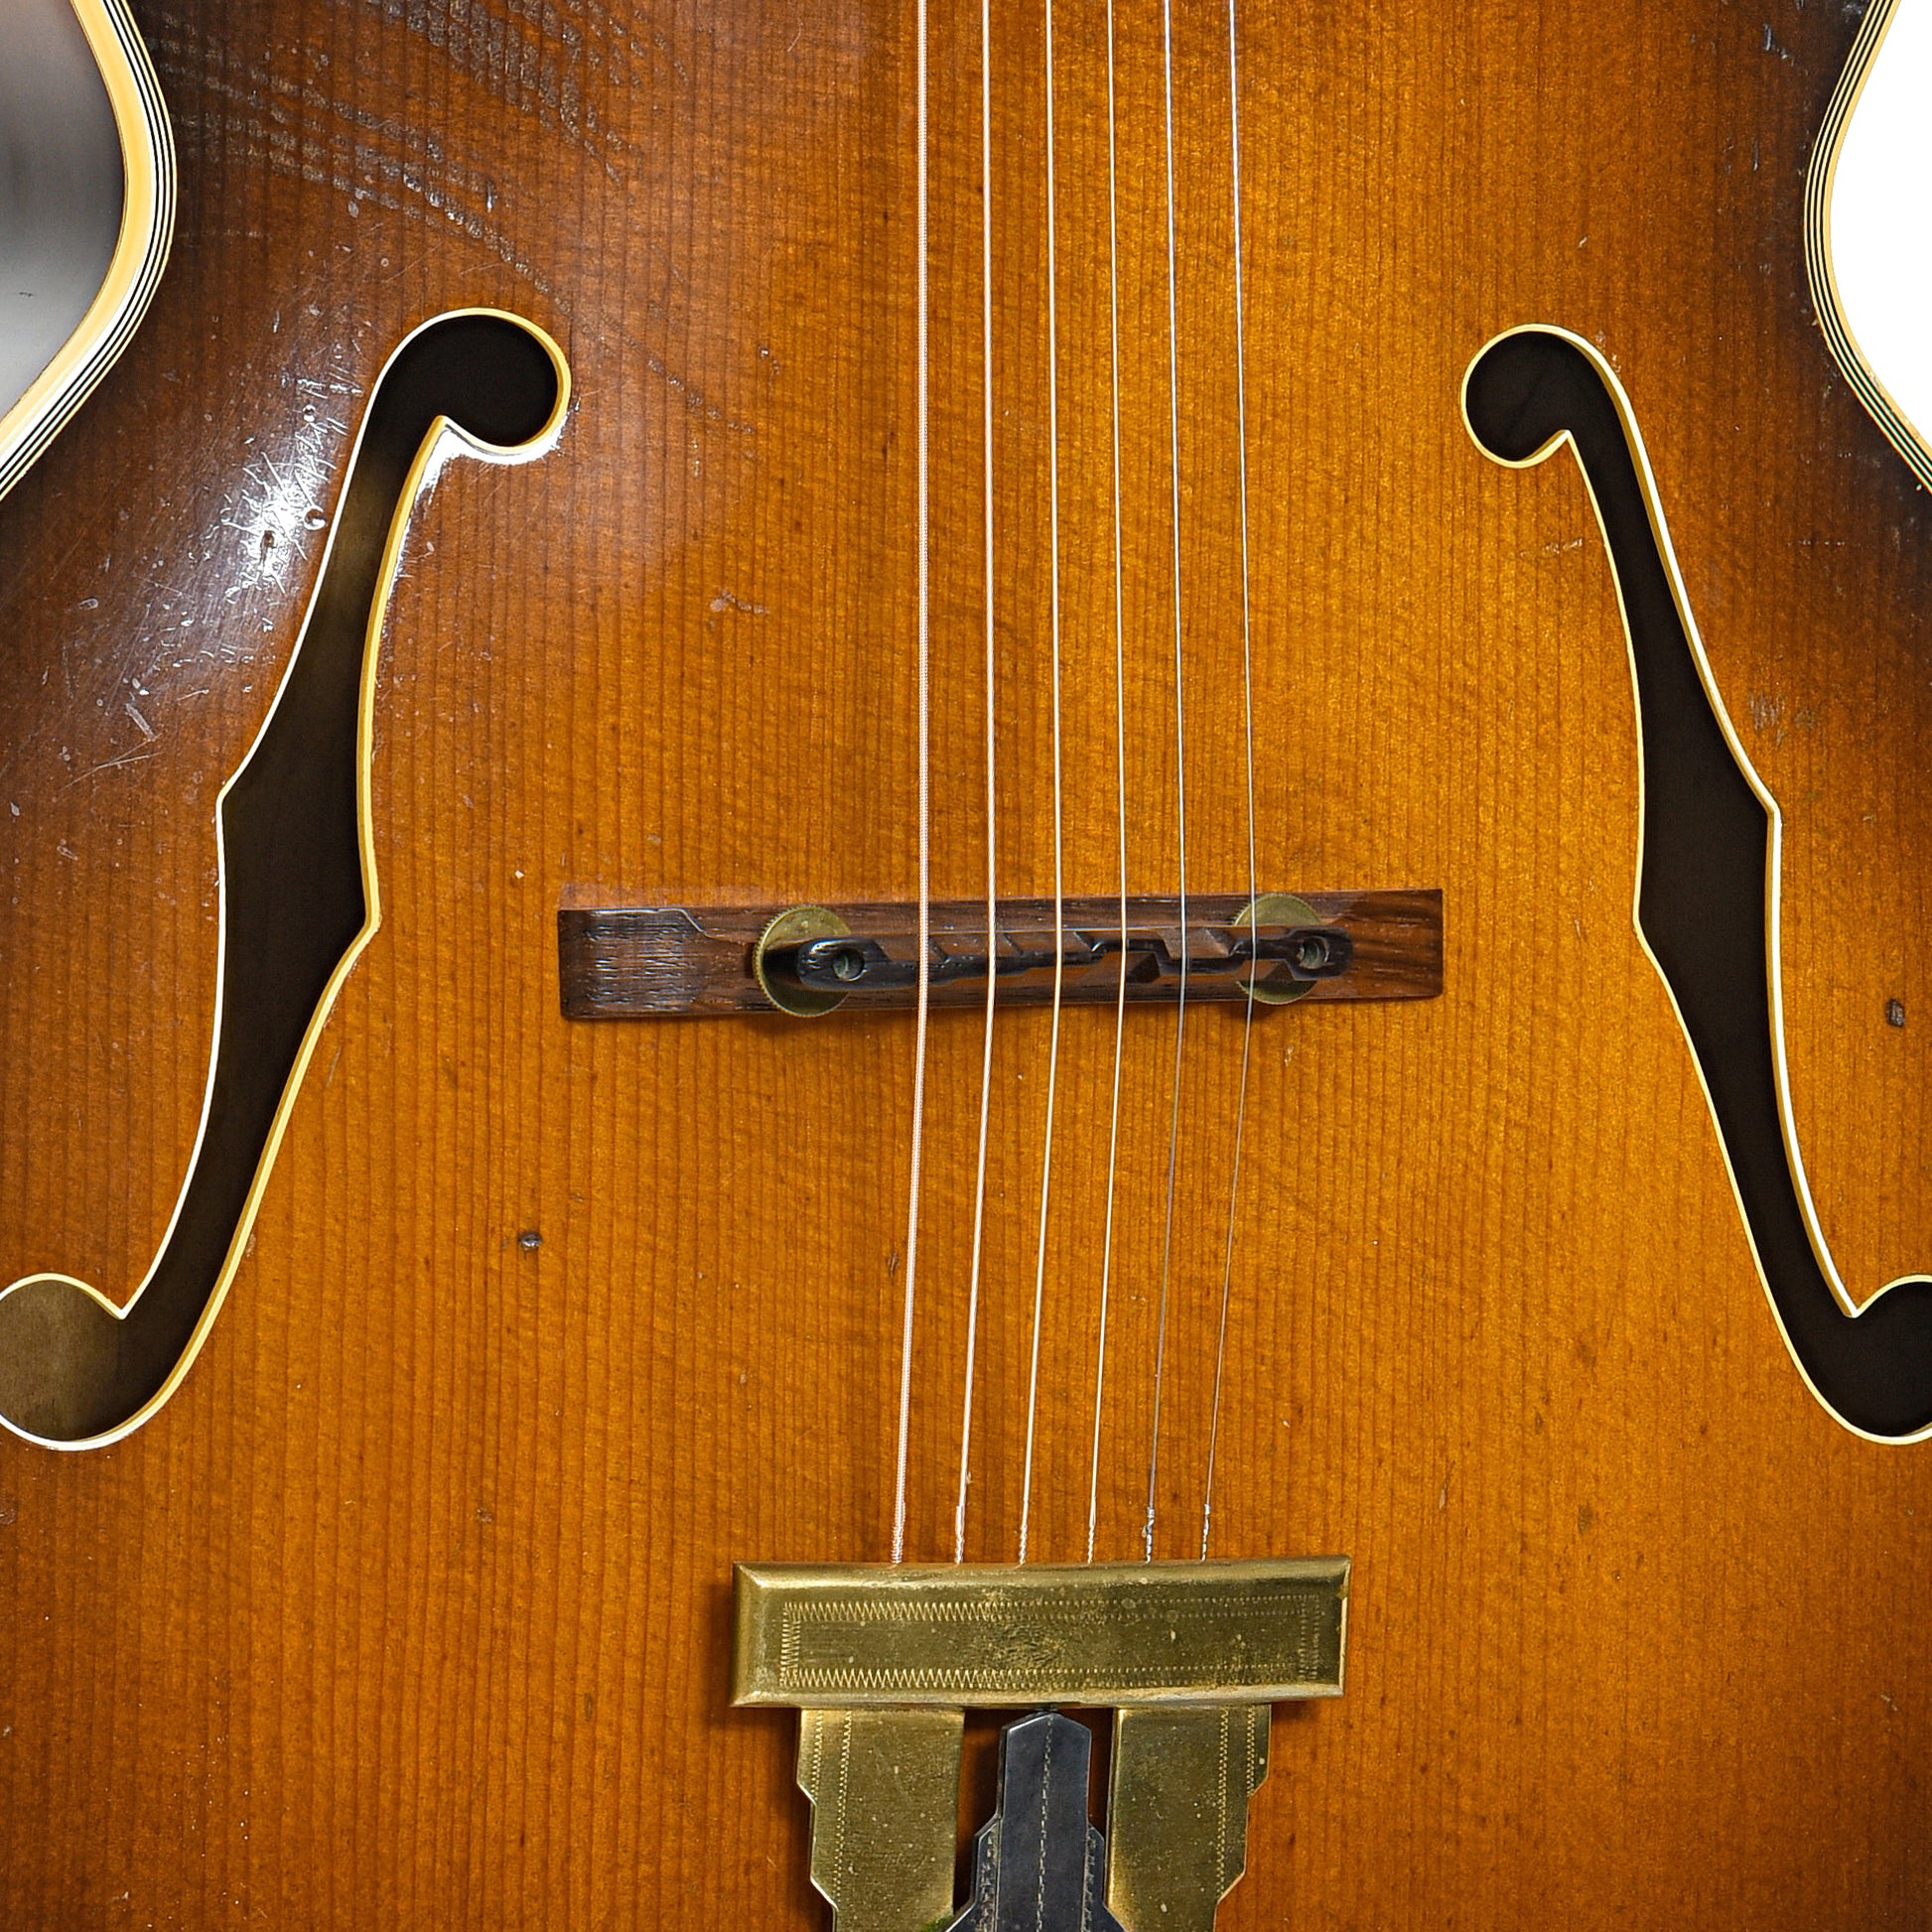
{"type": "Point", "coordinates": [888, 1041]}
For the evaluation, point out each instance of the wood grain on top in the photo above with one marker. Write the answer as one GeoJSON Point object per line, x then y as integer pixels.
{"type": "Point", "coordinates": [411, 1607]}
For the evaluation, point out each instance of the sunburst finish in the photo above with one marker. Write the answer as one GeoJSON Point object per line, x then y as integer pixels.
{"type": "Point", "coordinates": [411, 1606]}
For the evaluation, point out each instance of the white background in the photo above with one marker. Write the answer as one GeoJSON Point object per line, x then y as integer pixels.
{"type": "Point", "coordinates": [1881, 217]}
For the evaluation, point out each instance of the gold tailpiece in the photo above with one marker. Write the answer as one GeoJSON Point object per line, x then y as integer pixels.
{"type": "Point", "coordinates": [881, 1662]}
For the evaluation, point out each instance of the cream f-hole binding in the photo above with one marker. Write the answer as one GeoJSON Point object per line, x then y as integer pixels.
{"type": "Point", "coordinates": [1707, 906]}
{"type": "Point", "coordinates": [299, 899]}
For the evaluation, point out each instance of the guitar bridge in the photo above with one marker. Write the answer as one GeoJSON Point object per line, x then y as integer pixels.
{"type": "Point", "coordinates": [641, 962]}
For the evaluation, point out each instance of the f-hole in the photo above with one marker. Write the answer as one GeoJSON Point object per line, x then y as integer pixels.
{"type": "Point", "coordinates": [1705, 895]}
{"type": "Point", "coordinates": [299, 896]}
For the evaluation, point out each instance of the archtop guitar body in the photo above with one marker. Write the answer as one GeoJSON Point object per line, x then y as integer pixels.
{"type": "Point", "coordinates": [406, 1602]}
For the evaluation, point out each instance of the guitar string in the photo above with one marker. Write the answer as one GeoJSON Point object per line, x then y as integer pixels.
{"type": "Point", "coordinates": [1060, 897]}
{"type": "Point", "coordinates": [923, 998]}
{"type": "Point", "coordinates": [991, 790]}
{"type": "Point", "coordinates": [1248, 723]}
{"type": "Point", "coordinates": [1181, 795]}
{"type": "Point", "coordinates": [1120, 772]}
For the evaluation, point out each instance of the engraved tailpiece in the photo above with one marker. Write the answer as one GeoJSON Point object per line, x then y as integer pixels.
{"type": "Point", "coordinates": [883, 1662]}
